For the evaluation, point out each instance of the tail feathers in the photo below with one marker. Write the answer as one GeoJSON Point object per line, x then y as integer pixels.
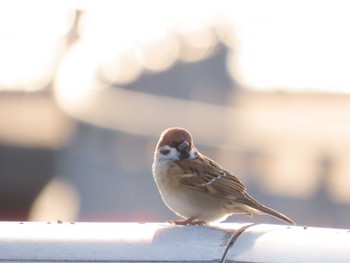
{"type": "Point", "coordinates": [274, 213]}
{"type": "Point", "coordinates": [252, 203]}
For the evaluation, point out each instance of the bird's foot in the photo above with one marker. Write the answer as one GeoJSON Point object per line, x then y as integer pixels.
{"type": "Point", "coordinates": [192, 221]}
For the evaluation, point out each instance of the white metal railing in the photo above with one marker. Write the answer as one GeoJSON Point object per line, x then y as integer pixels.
{"type": "Point", "coordinates": [159, 242]}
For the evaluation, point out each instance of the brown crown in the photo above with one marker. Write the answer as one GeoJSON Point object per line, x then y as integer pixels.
{"type": "Point", "coordinates": [174, 134]}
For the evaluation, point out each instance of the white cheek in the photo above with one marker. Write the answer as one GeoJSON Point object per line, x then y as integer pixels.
{"type": "Point", "coordinates": [193, 154]}
{"type": "Point", "coordinates": [173, 154]}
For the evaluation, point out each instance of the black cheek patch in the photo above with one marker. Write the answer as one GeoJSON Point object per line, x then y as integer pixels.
{"type": "Point", "coordinates": [164, 152]}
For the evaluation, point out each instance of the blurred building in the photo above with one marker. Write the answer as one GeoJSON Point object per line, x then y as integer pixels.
{"type": "Point", "coordinates": [77, 141]}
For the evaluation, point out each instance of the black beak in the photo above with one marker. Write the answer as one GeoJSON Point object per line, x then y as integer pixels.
{"type": "Point", "coordinates": [183, 146]}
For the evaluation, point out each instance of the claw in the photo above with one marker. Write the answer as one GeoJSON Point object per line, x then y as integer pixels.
{"type": "Point", "coordinates": [192, 221]}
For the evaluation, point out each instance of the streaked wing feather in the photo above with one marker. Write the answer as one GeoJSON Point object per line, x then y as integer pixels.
{"type": "Point", "coordinates": [212, 178]}
{"type": "Point", "coordinates": [205, 175]}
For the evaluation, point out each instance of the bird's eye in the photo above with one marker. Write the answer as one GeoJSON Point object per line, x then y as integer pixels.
{"type": "Point", "coordinates": [184, 146]}
{"type": "Point", "coordinates": [164, 152]}
{"type": "Point", "coordinates": [173, 144]}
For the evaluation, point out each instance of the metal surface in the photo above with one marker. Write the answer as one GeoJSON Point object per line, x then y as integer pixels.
{"type": "Point", "coordinates": [272, 243]}
{"type": "Point", "coordinates": [133, 242]}
{"type": "Point", "coordinates": [117, 242]}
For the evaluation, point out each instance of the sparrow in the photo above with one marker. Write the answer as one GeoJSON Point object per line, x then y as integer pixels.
{"type": "Point", "coordinates": [195, 187]}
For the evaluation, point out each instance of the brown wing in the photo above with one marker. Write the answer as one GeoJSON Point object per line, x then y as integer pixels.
{"type": "Point", "coordinates": [206, 175]}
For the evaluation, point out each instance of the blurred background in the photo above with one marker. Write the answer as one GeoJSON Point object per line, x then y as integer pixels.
{"type": "Point", "coordinates": [86, 88]}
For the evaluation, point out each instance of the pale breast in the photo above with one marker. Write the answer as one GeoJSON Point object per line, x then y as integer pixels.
{"type": "Point", "coordinates": [184, 201]}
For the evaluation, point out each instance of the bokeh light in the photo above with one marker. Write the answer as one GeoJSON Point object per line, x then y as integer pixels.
{"type": "Point", "coordinates": [31, 37]}
{"type": "Point", "coordinates": [262, 85]}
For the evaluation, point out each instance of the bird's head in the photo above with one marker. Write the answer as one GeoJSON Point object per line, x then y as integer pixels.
{"type": "Point", "coordinates": [175, 144]}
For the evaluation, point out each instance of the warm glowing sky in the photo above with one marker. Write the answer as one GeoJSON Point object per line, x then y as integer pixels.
{"type": "Point", "coordinates": [292, 45]}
